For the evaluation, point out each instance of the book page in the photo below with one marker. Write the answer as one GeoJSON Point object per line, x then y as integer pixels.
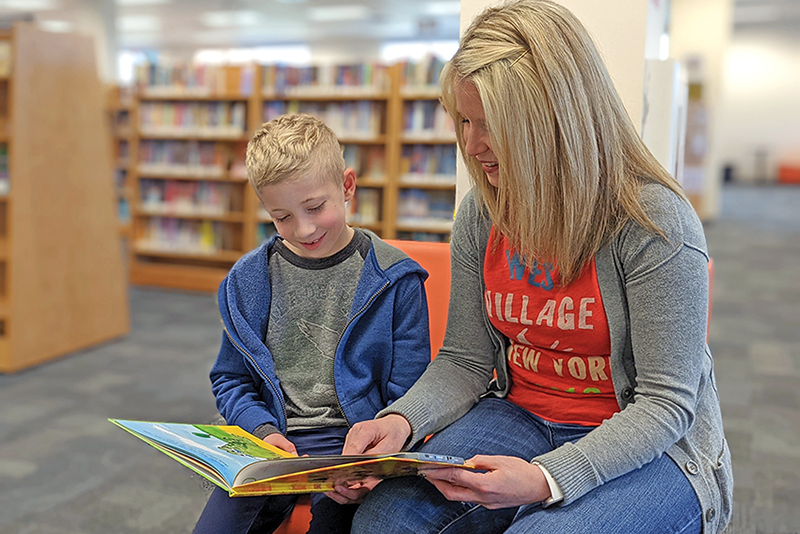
{"type": "Point", "coordinates": [225, 449]}
{"type": "Point", "coordinates": [323, 479]}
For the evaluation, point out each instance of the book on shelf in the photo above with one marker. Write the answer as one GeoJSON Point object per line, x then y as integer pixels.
{"type": "Point", "coordinates": [5, 58]}
{"type": "Point", "coordinates": [174, 80]}
{"type": "Point", "coordinates": [243, 465]}
{"type": "Point", "coordinates": [182, 236]}
{"type": "Point", "coordinates": [427, 119]}
{"type": "Point", "coordinates": [5, 180]}
{"type": "Point", "coordinates": [436, 237]}
{"type": "Point", "coordinates": [174, 197]}
{"type": "Point", "coordinates": [264, 231]}
{"type": "Point", "coordinates": [357, 79]}
{"type": "Point", "coordinates": [437, 161]}
{"type": "Point", "coordinates": [364, 207]}
{"type": "Point", "coordinates": [416, 206]}
{"type": "Point", "coordinates": [123, 150]}
{"type": "Point", "coordinates": [123, 210]}
{"type": "Point", "coordinates": [193, 119]}
{"type": "Point", "coordinates": [422, 75]}
{"type": "Point", "coordinates": [359, 119]}
{"type": "Point", "coordinates": [368, 161]}
{"type": "Point", "coordinates": [203, 159]}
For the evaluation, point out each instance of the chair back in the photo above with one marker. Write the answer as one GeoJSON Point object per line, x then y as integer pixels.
{"type": "Point", "coordinates": [434, 258]}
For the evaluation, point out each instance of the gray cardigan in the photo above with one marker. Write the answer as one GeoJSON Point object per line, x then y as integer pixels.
{"type": "Point", "coordinates": [655, 294]}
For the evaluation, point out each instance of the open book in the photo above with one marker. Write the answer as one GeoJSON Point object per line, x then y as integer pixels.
{"type": "Point", "coordinates": [242, 464]}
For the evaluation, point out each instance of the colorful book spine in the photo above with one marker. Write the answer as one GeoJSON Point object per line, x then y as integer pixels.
{"type": "Point", "coordinates": [188, 198]}
{"type": "Point", "coordinates": [168, 234]}
{"type": "Point", "coordinates": [320, 80]}
{"type": "Point", "coordinates": [427, 119]}
{"type": "Point", "coordinates": [202, 159]}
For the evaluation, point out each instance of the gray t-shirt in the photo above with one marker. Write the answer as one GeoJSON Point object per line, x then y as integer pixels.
{"type": "Point", "coordinates": [309, 310]}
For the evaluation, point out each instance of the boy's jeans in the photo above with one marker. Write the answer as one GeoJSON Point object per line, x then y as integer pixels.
{"type": "Point", "coordinates": [235, 515]}
{"type": "Point", "coordinates": [654, 499]}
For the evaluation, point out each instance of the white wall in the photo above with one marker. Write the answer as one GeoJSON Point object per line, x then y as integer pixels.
{"type": "Point", "coordinates": [702, 29]}
{"type": "Point", "coordinates": [761, 103]}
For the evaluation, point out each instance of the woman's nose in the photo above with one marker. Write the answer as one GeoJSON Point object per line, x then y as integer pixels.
{"type": "Point", "coordinates": [474, 143]}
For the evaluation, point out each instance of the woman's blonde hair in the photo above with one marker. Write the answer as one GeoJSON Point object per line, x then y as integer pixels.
{"type": "Point", "coordinates": [571, 161]}
{"type": "Point", "coordinates": [293, 146]}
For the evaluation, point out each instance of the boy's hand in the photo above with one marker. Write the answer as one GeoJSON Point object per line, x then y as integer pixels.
{"type": "Point", "coordinates": [378, 436]}
{"type": "Point", "coordinates": [279, 440]}
{"type": "Point", "coordinates": [352, 493]}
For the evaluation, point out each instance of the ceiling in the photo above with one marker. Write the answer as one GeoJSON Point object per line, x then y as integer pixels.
{"type": "Point", "coordinates": [197, 24]}
{"type": "Point", "coordinates": [184, 24]}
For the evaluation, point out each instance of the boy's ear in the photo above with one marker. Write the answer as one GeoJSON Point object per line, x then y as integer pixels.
{"type": "Point", "coordinates": [349, 184]}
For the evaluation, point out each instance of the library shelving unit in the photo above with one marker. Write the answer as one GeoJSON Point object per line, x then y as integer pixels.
{"type": "Point", "coordinates": [62, 286]}
{"type": "Point", "coordinates": [119, 106]}
{"type": "Point", "coordinates": [193, 212]}
{"type": "Point", "coordinates": [426, 177]}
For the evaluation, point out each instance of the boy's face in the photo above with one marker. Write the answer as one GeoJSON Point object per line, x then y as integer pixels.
{"type": "Point", "coordinates": [310, 214]}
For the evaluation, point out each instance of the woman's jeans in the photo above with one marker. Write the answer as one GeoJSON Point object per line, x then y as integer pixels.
{"type": "Point", "coordinates": [656, 498]}
{"type": "Point", "coordinates": [229, 515]}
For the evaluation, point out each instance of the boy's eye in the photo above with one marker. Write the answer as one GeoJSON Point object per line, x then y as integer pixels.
{"type": "Point", "coordinates": [316, 208]}
{"type": "Point", "coordinates": [281, 219]}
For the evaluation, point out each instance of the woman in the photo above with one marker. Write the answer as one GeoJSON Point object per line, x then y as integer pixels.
{"type": "Point", "coordinates": [579, 278]}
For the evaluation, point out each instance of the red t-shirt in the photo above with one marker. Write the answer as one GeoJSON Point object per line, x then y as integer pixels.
{"type": "Point", "coordinates": [558, 358]}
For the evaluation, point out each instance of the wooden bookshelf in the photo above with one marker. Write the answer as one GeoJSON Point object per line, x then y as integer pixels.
{"type": "Point", "coordinates": [62, 286]}
{"type": "Point", "coordinates": [119, 110]}
{"type": "Point", "coordinates": [369, 117]}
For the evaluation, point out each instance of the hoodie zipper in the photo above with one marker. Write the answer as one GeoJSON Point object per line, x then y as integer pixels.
{"type": "Point", "coordinates": [261, 371]}
{"type": "Point", "coordinates": [352, 319]}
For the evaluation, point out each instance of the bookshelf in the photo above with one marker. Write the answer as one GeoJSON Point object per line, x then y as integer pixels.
{"type": "Point", "coordinates": [62, 287]}
{"type": "Point", "coordinates": [193, 212]}
{"type": "Point", "coordinates": [120, 110]}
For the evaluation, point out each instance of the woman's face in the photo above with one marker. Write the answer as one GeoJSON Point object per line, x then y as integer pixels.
{"type": "Point", "coordinates": [473, 128]}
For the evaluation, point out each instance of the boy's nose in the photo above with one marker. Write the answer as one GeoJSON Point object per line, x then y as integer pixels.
{"type": "Point", "coordinates": [305, 228]}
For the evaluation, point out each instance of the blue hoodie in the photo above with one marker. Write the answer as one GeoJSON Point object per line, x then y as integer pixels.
{"type": "Point", "coordinates": [384, 348]}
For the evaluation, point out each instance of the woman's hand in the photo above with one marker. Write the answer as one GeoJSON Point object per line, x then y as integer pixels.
{"type": "Point", "coordinates": [279, 440]}
{"type": "Point", "coordinates": [378, 436]}
{"type": "Point", "coordinates": [506, 482]}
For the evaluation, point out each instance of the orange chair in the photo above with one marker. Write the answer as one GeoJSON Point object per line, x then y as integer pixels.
{"type": "Point", "coordinates": [434, 258]}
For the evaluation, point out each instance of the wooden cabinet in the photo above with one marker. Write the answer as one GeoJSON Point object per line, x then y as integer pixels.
{"type": "Point", "coordinates": [194, 214]}
{"type": "Point", "coordinates": [61, 281]}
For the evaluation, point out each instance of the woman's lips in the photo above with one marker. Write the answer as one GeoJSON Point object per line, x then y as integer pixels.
{"type": "Point", "coordinates": [489, 167]}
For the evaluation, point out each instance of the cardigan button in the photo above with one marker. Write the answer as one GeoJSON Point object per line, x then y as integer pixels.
{"type": "Point", "coordinates": [692, 468]}
{"type": "Point", "coordinates": [627, 393]}
{"type": "Point", "coordinates": [710, 514]}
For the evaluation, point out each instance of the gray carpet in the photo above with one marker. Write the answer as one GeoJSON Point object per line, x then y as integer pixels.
{"type": "Point", "coordinates": [65, 469]}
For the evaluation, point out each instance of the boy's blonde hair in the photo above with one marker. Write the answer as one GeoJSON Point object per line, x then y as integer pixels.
{"type": "Point", "coordinates": [293, 146]}
{"type": "Point", "coordinates": [571, 161]}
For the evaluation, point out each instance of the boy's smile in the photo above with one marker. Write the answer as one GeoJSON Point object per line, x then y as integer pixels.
{"type": "Point", "coordinates": [310, 213]}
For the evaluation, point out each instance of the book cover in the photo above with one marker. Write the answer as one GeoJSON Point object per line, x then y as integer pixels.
{"type": "Point", "coordinates": [242, 464]}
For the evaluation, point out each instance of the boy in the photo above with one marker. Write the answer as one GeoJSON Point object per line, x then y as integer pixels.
{"type": "Point", "coordinates": [325, 324]}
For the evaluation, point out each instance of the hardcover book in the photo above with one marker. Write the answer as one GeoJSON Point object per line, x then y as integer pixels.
{"type": "Point", "coordinates": [245, 465]}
